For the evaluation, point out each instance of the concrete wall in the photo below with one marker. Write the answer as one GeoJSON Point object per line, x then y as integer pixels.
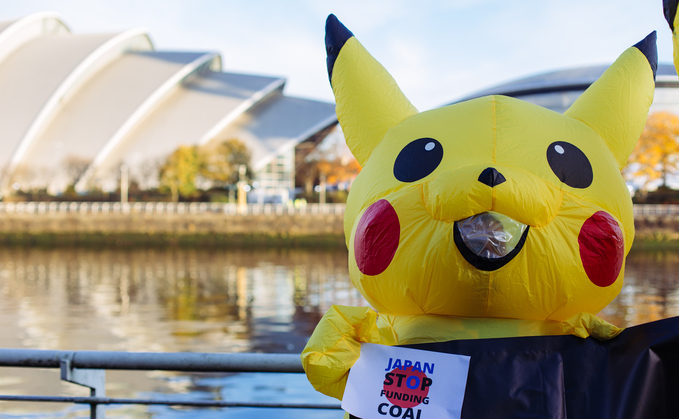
{"type": "Point", "coordinates": [657, 227]}
{"type": "Point", "coordinates": [206, 228]}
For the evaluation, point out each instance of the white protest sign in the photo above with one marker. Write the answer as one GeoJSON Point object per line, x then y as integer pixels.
{"type": "Point", "coordinates": [393, 382]}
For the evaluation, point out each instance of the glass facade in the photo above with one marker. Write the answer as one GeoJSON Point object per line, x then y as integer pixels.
{"type": "Point", "coordinates": [276, 181]}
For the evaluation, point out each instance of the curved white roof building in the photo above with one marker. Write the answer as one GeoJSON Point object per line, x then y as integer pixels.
{"type": "Point", "coordinates": [557, 90]}
{"type": "Point", "coordinates": [82, 105]}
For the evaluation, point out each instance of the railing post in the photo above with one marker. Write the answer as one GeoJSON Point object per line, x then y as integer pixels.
{"type": "Point", "coordinates": [94, 379]}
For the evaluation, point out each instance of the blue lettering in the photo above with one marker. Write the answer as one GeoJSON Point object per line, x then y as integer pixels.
{"type": "Point", "coordinates": [409, 382]}
{"type": "Point", "coordinates": [428, 368]}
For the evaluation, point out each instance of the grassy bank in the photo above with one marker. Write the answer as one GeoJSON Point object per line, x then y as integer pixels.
{"type": "Point", "coordinates": [164, 240]}
{"type": "Point", "coordinates": [225, 240]}
{"type": "Point", "coordinates": [649, 244]}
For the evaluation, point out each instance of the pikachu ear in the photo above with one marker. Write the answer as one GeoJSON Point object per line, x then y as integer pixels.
{"type": "Point", "coordinates": [369, 101]}
{"type": "Point", "coordinates": [670, 9]}
{"type": "Point", "coordinates": [616, 105]}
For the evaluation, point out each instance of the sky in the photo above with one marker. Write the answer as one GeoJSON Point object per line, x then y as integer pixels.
{"type": "Point", "coordinates": [437, 50]}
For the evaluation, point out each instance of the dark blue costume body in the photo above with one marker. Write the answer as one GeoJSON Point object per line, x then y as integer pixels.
{"type": "Point", "coordinates": [633, 376]}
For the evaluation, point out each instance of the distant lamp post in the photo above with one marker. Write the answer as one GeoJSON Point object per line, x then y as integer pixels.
{"type": "Point", "coordinates": [124, 183]}
{"type": "Point", "coordinates": [321, 193]}
{"type": "Point", "coordinates": [242, 198]}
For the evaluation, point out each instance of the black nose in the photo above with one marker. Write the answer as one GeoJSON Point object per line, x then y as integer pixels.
{"type": "Point", "coordinates": [491, 177]}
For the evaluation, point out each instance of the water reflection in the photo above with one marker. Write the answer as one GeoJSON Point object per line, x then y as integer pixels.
{"type": "Point", "coordinates": [158, 300]}
{"type": "Point", "coordinates": [168, 300]}
{"type": "Point", "coordinates": [207, 301]}
{"type": "Point", "coordinates": [650, 291]}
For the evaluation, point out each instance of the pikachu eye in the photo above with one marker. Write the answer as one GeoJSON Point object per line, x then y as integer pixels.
{"type": "Point", "coordinates": [570, 164]}
{"type": "Point", "coordinates": [418, 159]}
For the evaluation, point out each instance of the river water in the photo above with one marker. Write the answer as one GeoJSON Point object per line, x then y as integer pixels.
{"type": "Point", "coordinates": [221, 300]}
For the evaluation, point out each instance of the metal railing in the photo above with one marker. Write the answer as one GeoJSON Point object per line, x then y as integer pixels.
{"type": "Point", "coordinates": [167, 208]}
{"type": "Point", "coordinates": [33, 207]}
{"type": "Point", "coordinates": [87, 368]}
{"type": "Point", "coordinates": [648, 209]}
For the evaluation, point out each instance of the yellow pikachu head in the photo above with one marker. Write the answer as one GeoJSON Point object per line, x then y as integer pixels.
{"type": "Point", "coordinates": [492, 207]}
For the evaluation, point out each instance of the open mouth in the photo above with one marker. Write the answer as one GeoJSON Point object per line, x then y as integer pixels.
{"type": "Point", "coordinates": [488, 241]}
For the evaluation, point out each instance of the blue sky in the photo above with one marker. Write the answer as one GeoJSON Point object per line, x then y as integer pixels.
{"type": "Point", "coordinates": [436, 50]}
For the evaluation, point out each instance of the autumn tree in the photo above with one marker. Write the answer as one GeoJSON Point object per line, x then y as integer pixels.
{"type": "Point", "coordinates": [338, 169]}
{"type": "Point", "coordinates": [657, 154]}
{"type": "Point", "coordinates": [179, 172]}
{"type": "Point", "coordinates": [189, 166]}
{"type": "Point", "coordinates": [221, 162]}
{"type": "Point", "coordinates": [331, 160]}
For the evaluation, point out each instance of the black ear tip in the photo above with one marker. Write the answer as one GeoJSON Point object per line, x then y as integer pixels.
{"type": "Point", "coordinates": [331, 20]}
{"type": "Point", "coordinates": [336, 35]}
{"type": "Point", "coordinates": [648, 47]}
{"type": "Point", "coordinates": [670, 9]}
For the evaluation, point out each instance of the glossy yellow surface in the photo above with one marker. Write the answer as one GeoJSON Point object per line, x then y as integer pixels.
{"type": "Point", "coordinates": [675, 40]}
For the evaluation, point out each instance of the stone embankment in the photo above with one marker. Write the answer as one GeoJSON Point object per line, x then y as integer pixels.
{"type": "Point", "coordinates": [657, 228]}
{"type": "Point", "coordinates": [170, 224]}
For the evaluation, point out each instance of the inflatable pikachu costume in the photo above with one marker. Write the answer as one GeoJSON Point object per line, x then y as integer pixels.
{"type": "Point", "coordinates": [670, 9]}
{"type": "Point", "coordinates": [489, 218]}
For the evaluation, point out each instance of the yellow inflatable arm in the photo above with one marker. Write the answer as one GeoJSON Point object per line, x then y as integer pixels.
{"type": "Point", "coordinates": [335, 346]}
{"type": "Point", "coordinates": [670, 9]}
{"type": "Point", "coordinates": [410, 330]}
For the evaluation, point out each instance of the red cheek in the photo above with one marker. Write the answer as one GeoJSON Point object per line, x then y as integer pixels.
{"type": "Point", "coordinates": [376, 239]}
{"type": "Point", "coordinates": [602, 248]}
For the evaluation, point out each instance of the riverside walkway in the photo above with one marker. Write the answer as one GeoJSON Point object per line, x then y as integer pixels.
{"type": "Point", "coordinates": [161, 223]}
